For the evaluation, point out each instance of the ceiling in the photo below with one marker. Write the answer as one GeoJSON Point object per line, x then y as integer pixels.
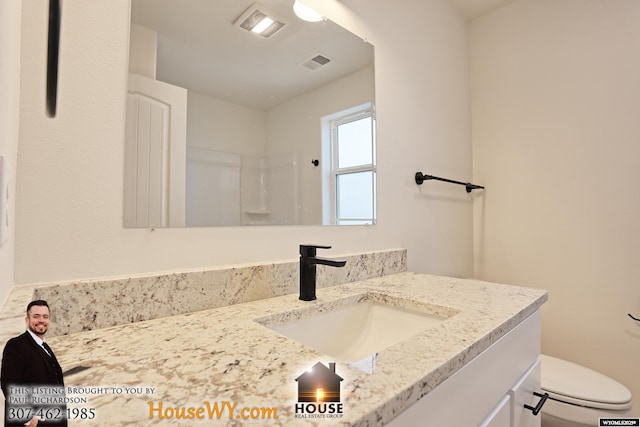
{"type": "Point", "coordinates": [474, 8]}
{"type": "Point", "coordinates": [200, 48]}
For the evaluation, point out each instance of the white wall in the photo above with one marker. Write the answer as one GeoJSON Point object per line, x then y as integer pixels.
{"type": "Point", "coordinates": [556, 102]}
{"type": "Point", "coordinates": [9, 116]}
{"type": "Point", "coordinates": [70, 181]}
{"type": "Point", "coordinates": [290, 129]}
{"type": "Point", "coordinates": [295, 126]}
{"type": "Point", "coordinates": [222, 126]}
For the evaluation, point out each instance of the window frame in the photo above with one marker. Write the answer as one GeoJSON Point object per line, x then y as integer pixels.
{"type": "Point", "coordinates": [342, 118]}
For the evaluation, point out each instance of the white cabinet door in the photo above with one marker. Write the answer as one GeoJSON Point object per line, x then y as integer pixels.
{"type": "Point", "coordinates": [500, 416]}
{"type": "Point", "coordinates": [522, 394]}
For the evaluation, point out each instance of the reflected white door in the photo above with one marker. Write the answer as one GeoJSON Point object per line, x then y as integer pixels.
{"type": "Point", "coordinates": [155, 154]}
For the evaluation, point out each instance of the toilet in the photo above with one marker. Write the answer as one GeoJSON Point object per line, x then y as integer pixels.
{"type": "Point", "coordinates": [579, 396]}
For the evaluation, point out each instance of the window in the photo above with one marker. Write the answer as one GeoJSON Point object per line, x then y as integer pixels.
{"type": "Point", "coordinates": [353, 167]}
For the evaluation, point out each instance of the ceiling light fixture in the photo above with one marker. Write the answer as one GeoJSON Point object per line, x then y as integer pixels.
{"type": "Point", "coordinates": [305, 12]}
{"type": "Point", "coordinates": [262, 25]}
{"type": "Point", "coordinates": [258, 20]}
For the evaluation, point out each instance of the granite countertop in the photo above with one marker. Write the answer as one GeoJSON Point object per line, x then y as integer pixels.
{"type": "Point", "coordinates": [224, 357]}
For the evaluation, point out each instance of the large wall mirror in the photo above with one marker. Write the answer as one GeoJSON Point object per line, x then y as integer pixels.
{"type": "Point", "coordinates": [230, 127]}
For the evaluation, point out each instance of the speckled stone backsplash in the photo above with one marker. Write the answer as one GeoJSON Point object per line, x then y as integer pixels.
{"type": "Point", "coordinates": [88, 305]}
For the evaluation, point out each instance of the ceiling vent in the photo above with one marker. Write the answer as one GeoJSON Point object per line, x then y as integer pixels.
{"type": "Point", "coordinates": [316, 61]}
{"type": "Point", "coordinates": [260, 21]}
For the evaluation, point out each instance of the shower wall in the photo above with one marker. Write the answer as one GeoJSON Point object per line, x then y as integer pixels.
{"type": "Point", "coordinates": [226, 189]}
{"type": "Point", "coordinates": [284, 197]}
{"type": "Point", "coordinates": [213, 188]}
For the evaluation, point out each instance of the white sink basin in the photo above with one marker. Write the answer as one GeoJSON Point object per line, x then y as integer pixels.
{"type": "Point", "coordinates": [354, 328]}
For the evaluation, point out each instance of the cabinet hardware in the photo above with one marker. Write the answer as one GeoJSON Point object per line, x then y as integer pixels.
{"type": "Point", "coordinates": [538, 408]}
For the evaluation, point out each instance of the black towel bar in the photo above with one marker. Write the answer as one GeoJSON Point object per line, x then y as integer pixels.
{"type": "Point", "coordinates": [420, 178]}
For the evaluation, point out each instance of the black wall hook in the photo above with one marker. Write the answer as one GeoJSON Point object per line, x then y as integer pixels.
{"type": "Point", "coordinates": [315, 162]}
{"type": "Point", "coordinates": [52, 56]}
{"type": "Point", "coordinates": [634, 318]}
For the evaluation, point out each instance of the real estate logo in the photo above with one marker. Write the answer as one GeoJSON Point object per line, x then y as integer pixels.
{"type": "Point", "coordinates": [319, 393]}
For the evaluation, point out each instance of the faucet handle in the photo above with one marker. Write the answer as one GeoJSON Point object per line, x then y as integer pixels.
{"type": "Point", "coordinates": [310, 250]}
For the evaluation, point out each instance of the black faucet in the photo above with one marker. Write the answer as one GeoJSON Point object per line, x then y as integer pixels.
{"type": "Point", "coordinates": [308, 262]}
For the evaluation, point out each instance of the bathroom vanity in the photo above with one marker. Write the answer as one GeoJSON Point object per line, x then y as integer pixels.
{"type": "Point", "coordinates": [496, 389]}
{"type": "Point", "coordinates": [477, 365]}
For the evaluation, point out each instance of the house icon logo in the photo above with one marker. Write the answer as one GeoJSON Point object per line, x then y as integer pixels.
{"type": "Point", "coordinates": [319, 392]}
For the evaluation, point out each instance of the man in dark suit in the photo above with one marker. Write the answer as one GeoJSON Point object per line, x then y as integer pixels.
{"type": "Point", "coordinates": [31, 376]}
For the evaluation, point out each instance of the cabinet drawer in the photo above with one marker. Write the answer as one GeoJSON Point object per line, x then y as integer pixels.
{"type": "Point", "coordinates": [522, 394]}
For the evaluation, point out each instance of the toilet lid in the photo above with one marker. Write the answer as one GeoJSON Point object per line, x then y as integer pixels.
{"type": "Point", "coordinates": [571, 383]}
